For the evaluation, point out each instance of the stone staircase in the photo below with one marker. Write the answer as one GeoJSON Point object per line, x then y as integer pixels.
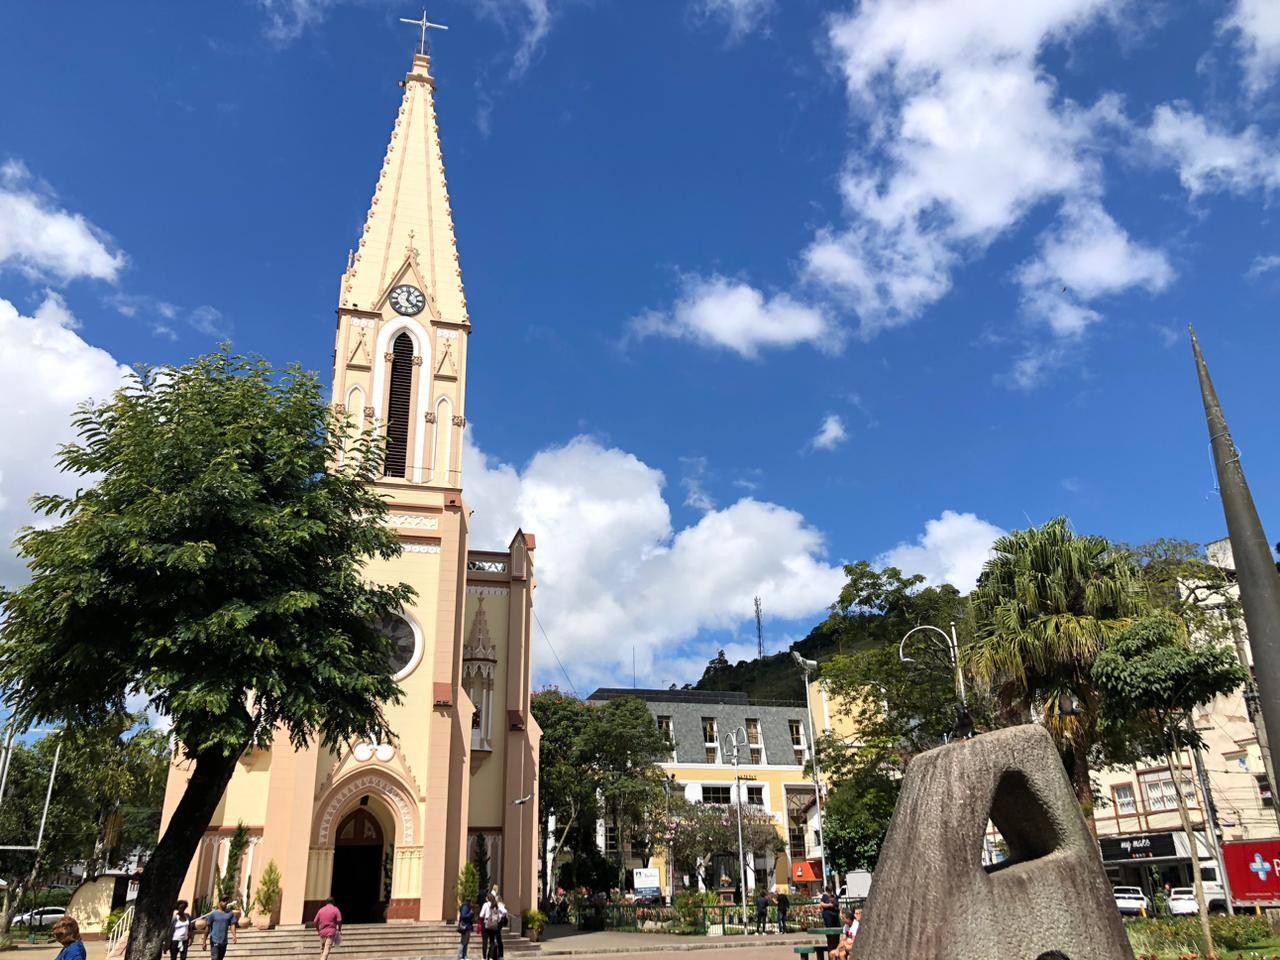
{"type": "Point", "coordinates": [365, 941]}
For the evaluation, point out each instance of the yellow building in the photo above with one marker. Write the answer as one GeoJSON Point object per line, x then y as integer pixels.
{"type": "Point", "coordinates": [770, 774]}
{"type": "Point", "coordinates": [386, 828]}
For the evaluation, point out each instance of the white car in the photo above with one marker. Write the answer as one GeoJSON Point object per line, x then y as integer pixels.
{"type": "Point", "coordinates": [1182, 902]}
{"type": "Point", "coordinates": [44, 917]}
{"type": "Point", "coordinates": [1131, 901]}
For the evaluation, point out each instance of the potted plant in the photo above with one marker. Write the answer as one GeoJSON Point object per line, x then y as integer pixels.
{"type": "Point", "coordinates": [269, 895]}
{"type": "Point", "coordinates": [533, 922]}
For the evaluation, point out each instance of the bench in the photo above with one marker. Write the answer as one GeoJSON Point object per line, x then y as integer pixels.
{"type": "Point", "coordinates": [819, 953]}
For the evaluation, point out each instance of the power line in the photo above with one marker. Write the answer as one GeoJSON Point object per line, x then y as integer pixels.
{"type": "Point", "coordinates": [552, 648]}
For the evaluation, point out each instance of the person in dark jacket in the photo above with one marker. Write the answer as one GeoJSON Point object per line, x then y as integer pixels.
{"type": "Point", "coordinates": [830, 917]}
{"type": "Point", "coordinates": [784, 907]}
{"type": "Point", "coordinates": [762, 910]}
{"type": "Point", "coordinates": [466, 923]}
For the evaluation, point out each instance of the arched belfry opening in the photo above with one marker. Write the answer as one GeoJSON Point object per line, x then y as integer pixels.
{"type": "Point", "coordinates": [362, 855]}
{"type": "Point", "coordinates": [399, 406]}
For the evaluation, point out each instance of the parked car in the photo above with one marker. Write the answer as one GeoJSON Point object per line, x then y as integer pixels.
{"type": "Point", "coordinates": [1131, 901]}
{"type": "Point", "coordinates": [44, 917]}
{"type": "Point", "coordinates": [1182, 902]}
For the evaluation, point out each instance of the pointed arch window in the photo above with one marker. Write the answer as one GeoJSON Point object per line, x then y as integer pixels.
{"type": "Point", "coordinates": [399, 406]}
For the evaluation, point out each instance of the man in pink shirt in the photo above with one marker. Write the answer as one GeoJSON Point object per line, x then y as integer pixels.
{"type": "Point", "coordinates": [329, 926]}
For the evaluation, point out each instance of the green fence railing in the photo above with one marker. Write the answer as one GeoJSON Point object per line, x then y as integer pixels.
{"type": "Point", "coordinates": [715, 920]}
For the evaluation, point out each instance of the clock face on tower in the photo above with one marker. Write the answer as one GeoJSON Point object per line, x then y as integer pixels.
{"type": "Point", "coordinates": [407, 300]}
{"type": "Point", "coordinates": [404, 645]}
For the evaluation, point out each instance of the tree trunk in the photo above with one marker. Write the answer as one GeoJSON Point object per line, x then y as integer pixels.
{"type": "Point", "coordinates": [162, 878]}
{"type": "Point", "coordinates": [1076, 759]}
{"type": "Point", "coordinates": [1175, 770]}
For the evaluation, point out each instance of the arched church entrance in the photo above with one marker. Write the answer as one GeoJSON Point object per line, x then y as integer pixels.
{"type": "Point", "coordinates": [360, 867]}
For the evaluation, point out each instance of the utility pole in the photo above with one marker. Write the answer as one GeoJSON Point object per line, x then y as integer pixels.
{"type": "Point", "coordinates": [1255, 568]}
{"type": "Point", "coordinates": [759, 630]}
{"type": "Point", "coordinates": [1210, 820]}
{"type": "Point", "coordinates": [733, 742]}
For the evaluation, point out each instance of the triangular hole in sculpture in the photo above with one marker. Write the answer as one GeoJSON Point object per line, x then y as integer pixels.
{"type": "Point", "coordinates": [1019, 814]}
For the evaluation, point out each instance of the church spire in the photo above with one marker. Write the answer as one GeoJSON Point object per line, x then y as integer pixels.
{"type": "Point", "coordinates": [410, 218]}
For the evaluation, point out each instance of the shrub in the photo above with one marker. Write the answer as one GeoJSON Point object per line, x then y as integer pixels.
{"type": "Point", "coordinates": [269, 894]}
{"type": "Point", "coordinates": [467, 888]}
{"type": "Point", "coordinates": [689, 905]}
{"type": "Point", "coordinates": [533, 920]}
{"type": "Point", "coordinates": [1182, 934]}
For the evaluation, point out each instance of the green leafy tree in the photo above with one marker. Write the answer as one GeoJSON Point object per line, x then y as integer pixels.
{"type": "Point", "coordinates": [565, 787]}
{"type": "Point", "coordinates": [1153, 675]}
{"type": "Point", "coordinates": [1047, 603]}
{"type": "Point", "coordinates": [856, 818]}
{"type": "Point", "coordinates": [212, 564]}
{"type": "Point", "coordinates": [269, 893]}
{"type": "Point", "coordinates": [621, 747]}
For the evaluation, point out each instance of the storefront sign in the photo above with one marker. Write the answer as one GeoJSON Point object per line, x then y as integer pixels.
{"type": "Point", "coordinates": [1254, 869]}
{"type": "Point", "coordinates": [1138, 846]}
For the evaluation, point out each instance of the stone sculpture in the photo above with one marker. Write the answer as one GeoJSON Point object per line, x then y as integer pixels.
{"type": "Point", "coordinates": [932, 899]}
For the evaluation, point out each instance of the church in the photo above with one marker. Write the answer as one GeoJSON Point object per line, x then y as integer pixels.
{"type": "Point", "coordinates": [385, 828]}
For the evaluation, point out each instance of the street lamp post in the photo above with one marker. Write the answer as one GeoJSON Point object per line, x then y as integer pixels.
{"type": "Point", "coordinates": [953, 654]}
{"type": "Point", "coordinates": [671, 873]}
{"type": "Point", "coordinates": [733, 741]}
{"type": "Point", "coordinates": [808, 667]}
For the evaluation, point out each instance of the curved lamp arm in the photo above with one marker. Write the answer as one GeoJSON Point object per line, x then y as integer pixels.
{"type": "Point", "coordinates": [952, 648]}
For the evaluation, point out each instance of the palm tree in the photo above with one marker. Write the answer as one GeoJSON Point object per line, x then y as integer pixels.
{"type": "Point", "coordinates": [1047, 603]}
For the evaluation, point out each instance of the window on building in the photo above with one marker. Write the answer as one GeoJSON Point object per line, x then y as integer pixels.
{"type": "Point", "coordinates": [1161, 795]}
{"type": "Point", "coordinates": [664, 728]}
{"type": "Point", "coordinates": [716, 794]}
{"type": "Point", "coordinates": [754, 740]}
{"type": "Point", "coordinates": [399, 402]}
{"type": "Point", "coordinates": [611, 840]}
{"type": "Point", "coordinates": [709, 739]}
{"type": "Point", "coordinates": [755, 795]}
{"type": "Point", "coordinates": [795, 837]}
{"type": "Point", "coordinates": [1264, 790]}
{"type": "Point", "coordinates": [797, 741]}
{"type": "Point", "coordinates": [1124, 799]}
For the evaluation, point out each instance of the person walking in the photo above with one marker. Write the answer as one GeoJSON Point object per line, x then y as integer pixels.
{"type": "Point", "coordinates": [493, 917]}
{"type": "Point", "coordinates": [784, 907]}
{"type": "Point", "coordinates": [67, 932]}
{"type": "Point", "coordinates": [466, 923]}
{"type": "Point", "coordinates": [762, 911]}
{"type": "Point", "coordinates": [180, 925]}
{"type": "Point", "coordinates": [220, 931]}
{"type": "Point", "coordinates": [329, 926]}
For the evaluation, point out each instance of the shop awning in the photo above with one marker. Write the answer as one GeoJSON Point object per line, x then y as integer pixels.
{"type": "Point", "coordinates": [806, 871]}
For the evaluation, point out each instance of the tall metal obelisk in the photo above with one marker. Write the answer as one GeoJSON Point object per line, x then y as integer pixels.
{"type": "Point", "coordinates": [1255, 569]}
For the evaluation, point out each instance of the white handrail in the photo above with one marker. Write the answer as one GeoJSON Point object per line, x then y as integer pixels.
{"type": "Point", "coordinates": [120, 930]}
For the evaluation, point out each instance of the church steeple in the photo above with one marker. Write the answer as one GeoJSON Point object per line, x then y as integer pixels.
{"type": "Point", "coordinates": [410, 209]}
{"type": "Point", "coordinates": [400, 357]}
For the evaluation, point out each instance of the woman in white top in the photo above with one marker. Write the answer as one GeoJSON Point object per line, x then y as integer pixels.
{"type": "Point", "coordinates": [180, 925]}
{"type": "Point", "coordinates": [493, 917]}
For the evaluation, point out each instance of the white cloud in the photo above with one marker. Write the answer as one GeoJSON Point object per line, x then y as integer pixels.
{"type": "Point", "coordinates": [1264, 264]}
{"type": "Point", "coordinates": [965, 135]}
{"type": "Point", "coordinates": [1256, 24]}
{"type": "Point", "coordinates": [830, 434]}
{"type": "Point", "coordinates": [613, 573]}
{"type": "Point", "coordinates": [716, 311]}
{"type": "Point", "coordinates": [693, 480]}
{"type": "Point", "coordinates": [48, 370]}
{"type": "Point", "coordinates": [951, 550]}
{"type": "Point", "coordinates": [1087, 256]}
{"type": "Point", "coordinates": [161, 315]}
{"type": "Point", "coordinates": [1210, 158]}
{"type": "Point", "coordinates": [741, 16]}
{"type": "Point", "coordinates": [43, 240]}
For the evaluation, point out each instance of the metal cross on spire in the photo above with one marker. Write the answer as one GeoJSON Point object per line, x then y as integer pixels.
{"type": "Point", "coordinates": [426, 25]}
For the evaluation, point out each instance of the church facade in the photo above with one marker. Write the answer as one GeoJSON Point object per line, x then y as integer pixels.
{"type": "Point", "coordinates": [386, 827]}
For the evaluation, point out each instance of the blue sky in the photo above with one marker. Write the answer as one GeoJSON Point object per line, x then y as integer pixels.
{"type": "Point", "coordinates": [756, 288]}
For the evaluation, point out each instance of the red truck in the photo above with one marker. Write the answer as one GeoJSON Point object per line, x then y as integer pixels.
{"type": "Point", "coordinates": [1253, 867]}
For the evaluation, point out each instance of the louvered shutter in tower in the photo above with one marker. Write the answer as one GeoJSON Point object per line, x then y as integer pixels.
{"type": "Point", "coordinates": [399, 405]}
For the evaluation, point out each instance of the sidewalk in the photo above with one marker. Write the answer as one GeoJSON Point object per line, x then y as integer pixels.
{"type": "Point", "coordinates": [566, 941]}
